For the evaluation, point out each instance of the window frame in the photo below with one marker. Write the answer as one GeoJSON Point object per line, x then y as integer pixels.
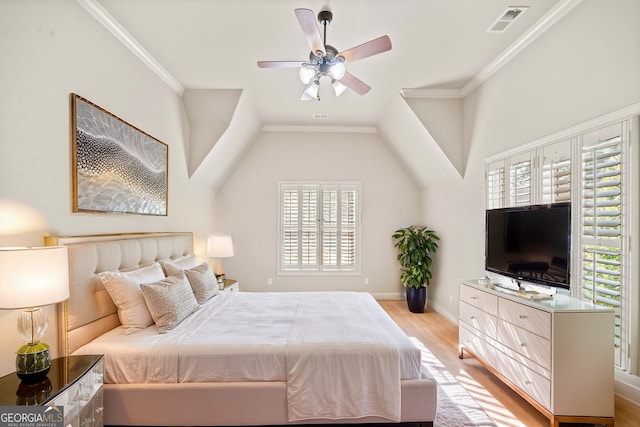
{"type": "Point", "coordinates": [318, 269]}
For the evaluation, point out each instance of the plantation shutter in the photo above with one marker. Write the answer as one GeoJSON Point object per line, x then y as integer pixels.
{"type": "Point", "coordinates": [496, 185]}
{"type": "Point", "coordinates": [520, 180]}
{"type": "Point", "coordinates": [349, 226]}
{"type": "Point", "coordinates": [556, 172]}
{"type": "Point", "coordinates": [330, 247]}
{"type": "Point", "coordinates": [319, 227]}
{"type": "Point", "coordinates": [601, 225]}
{"type": "Point", "coordinates": [298, 247]}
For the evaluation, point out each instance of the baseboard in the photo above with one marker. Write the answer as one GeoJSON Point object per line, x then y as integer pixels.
{"type": "Point", "coordinates": [627, 386]}
{"type": "Point", "coordinates": [442, 311]}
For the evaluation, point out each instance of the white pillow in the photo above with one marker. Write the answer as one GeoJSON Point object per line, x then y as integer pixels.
{"type": "Point", "coordinates": [124, 288]}
{"type": "Point", "coordinates": [173, 266]}
{"type": "Point", "coordinates": [170, 301]}
{"type": "Point", "coordinates": [203, 282]}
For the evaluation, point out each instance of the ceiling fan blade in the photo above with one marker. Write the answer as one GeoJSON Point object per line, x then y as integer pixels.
{"type": "Point", "coordinates": [307, 20]}
{"type": "Point", "coordinates": [280, 64]}
{"type": "Point", "coordinates": [370, 48]}
{"type": "Point", "coordinates": [355, 84]}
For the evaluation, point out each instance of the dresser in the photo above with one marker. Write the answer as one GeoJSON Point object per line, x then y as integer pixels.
{"type": "Point", "coordinates": [73, 382]}
{"type": "Point", "coordinates": [556, 353]}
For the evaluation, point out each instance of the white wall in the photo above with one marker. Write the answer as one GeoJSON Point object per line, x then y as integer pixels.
{"type": "Point", "coordinates": [49, 49]}
{"type": "Point", "coordinates": [247, 207]}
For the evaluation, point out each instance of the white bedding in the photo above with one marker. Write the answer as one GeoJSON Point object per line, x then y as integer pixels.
{"type": "Point", "coordinates": [243, 336]}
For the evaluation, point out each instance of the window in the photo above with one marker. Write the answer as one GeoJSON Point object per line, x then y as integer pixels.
{"type": "Point", "coordinates": [602, 220]}
{"type": "Point", "coordinates": [319, 227]}
{"type": "Point", "coordinates": [520, 180]}
{"type": "Point", "coordinates": [496, 187]}
{"type": "Point", "coordinates": [556, 172]}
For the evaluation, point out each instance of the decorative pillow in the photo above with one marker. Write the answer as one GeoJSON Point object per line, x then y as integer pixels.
{"type": "Point", "coordinates": [124, 289]}
{"type": "Point", "coordinates": [203, 282]}
{"type": "Point", "coordinates": [170, 301]}
{"type": "Point", "coordinates": [173, 266]}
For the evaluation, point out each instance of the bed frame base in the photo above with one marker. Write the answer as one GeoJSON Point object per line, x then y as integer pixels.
{"type": "Point", "coordinates": [234, 404]}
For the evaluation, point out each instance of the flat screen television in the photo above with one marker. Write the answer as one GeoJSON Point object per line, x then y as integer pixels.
{"type": "Point", "coordinates": [530, 243]}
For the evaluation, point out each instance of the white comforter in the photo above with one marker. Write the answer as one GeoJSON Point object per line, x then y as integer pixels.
{"type": "Point", "coordinates": [339, 352]}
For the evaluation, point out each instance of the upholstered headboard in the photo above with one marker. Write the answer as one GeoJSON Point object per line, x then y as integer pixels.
{"type": "Point", "coordinates": [89, 312]}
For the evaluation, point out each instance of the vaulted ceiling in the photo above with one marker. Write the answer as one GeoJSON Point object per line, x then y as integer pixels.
{"type": "Point", "coordinates": [206, 51]}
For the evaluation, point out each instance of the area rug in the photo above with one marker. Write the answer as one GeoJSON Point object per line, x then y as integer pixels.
{"type": "Point", "coordinates": [456, 407]}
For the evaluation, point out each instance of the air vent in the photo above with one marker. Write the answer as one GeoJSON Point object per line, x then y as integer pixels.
{"type": "Point", "coordinates": [320, 116]}
{"type": "Point", "coordinates": [507, 18]}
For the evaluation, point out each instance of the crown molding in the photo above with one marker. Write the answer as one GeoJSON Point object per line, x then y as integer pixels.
{"type": "Point", "coordinates": [111, 24]}
{"type": "Point", "coordinates": [316, 129]}
{"type": "Point", "coordinates": [550, 18]}
{"type": "Point", "coordinates": [432, 93]}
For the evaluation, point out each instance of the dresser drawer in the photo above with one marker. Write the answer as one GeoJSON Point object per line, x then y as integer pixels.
{"type": "Point", "coordinates": [528, 344]}
{"type": "Point", "coordinates": [475, 342]}
{"type": "Point", "coordinates": [479, 319]}
{"type": "Point", "coordinates": [477, 298]}
{"type": "Point", "coordinates": [529, 318]}
{"type": "Point", "coordinates": [530, 382]}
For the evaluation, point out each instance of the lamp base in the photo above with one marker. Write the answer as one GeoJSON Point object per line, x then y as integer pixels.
{"type": "Point", "coordinates": [33, 362]}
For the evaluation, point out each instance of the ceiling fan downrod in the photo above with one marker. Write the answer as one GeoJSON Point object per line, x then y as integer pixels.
{"type": "Point", "coordinates": [325, 17]}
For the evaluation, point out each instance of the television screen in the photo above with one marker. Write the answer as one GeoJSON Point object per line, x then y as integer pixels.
{"type": "Point", "coordinates": [530, 243]}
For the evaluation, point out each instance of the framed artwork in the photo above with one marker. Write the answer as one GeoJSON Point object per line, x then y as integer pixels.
{"type": "Point", "coordinates": [116, 167]}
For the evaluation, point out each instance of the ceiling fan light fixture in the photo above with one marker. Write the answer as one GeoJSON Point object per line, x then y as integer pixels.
{"type": "Point", "coordinates": [307, 74]}
{"type": "Point", "coordinates": [338, 87]}
{"type": "Point", "coordinates": [310, 91]}
{"type": "Point", "coordinates": [337, 70]}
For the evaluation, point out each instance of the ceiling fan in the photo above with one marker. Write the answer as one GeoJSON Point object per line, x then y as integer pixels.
{"type": "Point", "coordinates": [325, 60]}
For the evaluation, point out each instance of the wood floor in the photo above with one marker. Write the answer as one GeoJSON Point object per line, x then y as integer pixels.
{"type": "Point", "coordinates": [499, 402]}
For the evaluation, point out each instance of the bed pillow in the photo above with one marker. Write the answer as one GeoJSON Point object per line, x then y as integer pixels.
{"type": "Point", "coordinates": [170, 301]}
{"type": "Point", "coordinates": [173, 266]}
{"type": "Point", "coordinates": [124, 289]}
{"type": "Point", "coordinates": [203, 282]}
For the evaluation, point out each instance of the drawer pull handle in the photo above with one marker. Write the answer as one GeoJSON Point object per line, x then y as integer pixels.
{"type": "Point", "coordinates": [473, 298]}
{"type": "Point", "coordinates": [528, 382]}
{"type": "Point", "coordinates": [522, 317]}
{"type": "Point", "coordinates": [523, 344]}
{"type": "Point", "coordinates": [473, 318]}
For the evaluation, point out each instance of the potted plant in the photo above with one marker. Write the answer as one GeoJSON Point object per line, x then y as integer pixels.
{"type": "Point", "coordinates": [415, 245]}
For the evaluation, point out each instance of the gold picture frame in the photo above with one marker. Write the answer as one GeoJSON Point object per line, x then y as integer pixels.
{"type": "Point", "coordinates": [116, 167]}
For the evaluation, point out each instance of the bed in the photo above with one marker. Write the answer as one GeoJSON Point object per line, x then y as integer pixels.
{"type": "Point", "coordinates": [209, 369]}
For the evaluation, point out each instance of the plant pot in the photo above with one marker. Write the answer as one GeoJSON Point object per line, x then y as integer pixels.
{"type": "Point", "coordinates": [416, 299]}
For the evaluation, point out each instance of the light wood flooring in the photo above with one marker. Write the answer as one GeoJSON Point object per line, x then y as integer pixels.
{"type": "Point", "coordinates": [499, 401]}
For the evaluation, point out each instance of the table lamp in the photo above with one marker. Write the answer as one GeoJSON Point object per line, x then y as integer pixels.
{"type": "Point", "coordinates": [219, 247]}
{"type": "Point", "coordinates": [31, 278]}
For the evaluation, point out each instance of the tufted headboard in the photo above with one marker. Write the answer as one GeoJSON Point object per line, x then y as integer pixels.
{"type": "Point", "coordinates": [89, 312]}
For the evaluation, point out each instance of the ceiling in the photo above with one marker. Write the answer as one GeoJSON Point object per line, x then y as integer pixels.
{"type": "Point", "coordinates": [214, 44]}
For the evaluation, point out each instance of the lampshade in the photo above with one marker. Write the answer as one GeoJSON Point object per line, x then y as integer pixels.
{"type": "Point", "coordinates": [306, 74]}
{"type": "Point", "coordinates": [338, 87]}
{"type": "Point", "coordinates": [30, 278]}
{"type": "Point", "coordinates": [33, 277]}
{"type": "Point", "coordinates": [219, 247]}
{"type": "Point", "coordinates": [311, 91]}
{"type": "Point", "coordinates": [337, 70]}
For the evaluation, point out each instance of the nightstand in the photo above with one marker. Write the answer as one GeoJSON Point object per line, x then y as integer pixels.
{"type": "Point", "coordinates": [74, 382]}
{"type": "Point", "coordinates": [231, 285]}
